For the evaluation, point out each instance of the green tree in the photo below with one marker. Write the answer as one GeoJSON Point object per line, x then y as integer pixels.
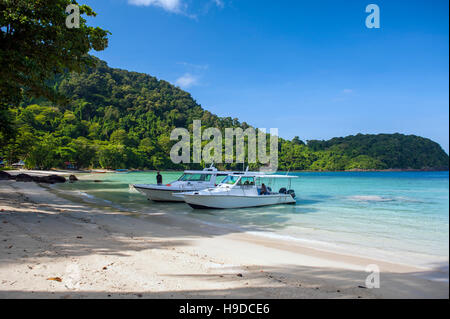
{"type": "Point", "coordinates": [36, 45]}
{"type": "Point", "coordinates": [119, 136]}
{"type": "Point", "coordinates": [112, 156]}
{"type": "Point", "coordinates": [84, 152]}
{"type": "Point", "coordinates": [44, 153]}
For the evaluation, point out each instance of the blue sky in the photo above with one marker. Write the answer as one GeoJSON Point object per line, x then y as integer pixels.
{"type": "Point", "coordinates": [308, 68]}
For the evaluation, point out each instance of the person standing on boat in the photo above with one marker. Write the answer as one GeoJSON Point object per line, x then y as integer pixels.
{"type": "Point", "coordinates": [158, 178]}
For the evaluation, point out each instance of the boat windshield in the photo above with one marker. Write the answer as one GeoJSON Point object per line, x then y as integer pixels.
{"type": "Point", "coordinates": [247, 181]}
{"type": "Point", "coordinates": [195, 177]}
{"type": "Point", "coordinates": [220, 178]}
{"type": "Point", "coordinates": [230, 180]}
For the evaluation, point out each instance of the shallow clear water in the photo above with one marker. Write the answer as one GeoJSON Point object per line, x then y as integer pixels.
{"type": "Point", "coordinates": [398, 216]}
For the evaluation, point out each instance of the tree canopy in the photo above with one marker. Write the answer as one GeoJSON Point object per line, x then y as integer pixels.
{"type": "Point", "coordinates": [120, 119]}
{"type": "Point", "coordinates": [36, 45]}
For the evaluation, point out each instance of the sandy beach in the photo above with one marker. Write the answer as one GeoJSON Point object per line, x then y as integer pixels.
{"type": "Point", "coordinates": [53, 247]}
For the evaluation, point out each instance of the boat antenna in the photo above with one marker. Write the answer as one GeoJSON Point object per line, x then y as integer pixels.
{"type": "Point", "coordinates": [246, 169]}
{"type": "Point", "coordinates": [288, 171]}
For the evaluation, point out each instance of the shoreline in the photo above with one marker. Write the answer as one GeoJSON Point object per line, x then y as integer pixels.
{"type": "Point", "coordinates": [108, 171]}
{"type": "Point", "coordinates": [390, 257]}
{"type": "Point", "coordinates": [283, 239]}
{"type": "Point", "coordinates": [168, 257]}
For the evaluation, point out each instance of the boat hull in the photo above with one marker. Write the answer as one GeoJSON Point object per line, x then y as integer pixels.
{"type": "Point", "coordinates": [199, 201]}
{"type": "Point", "coordinates": [160, 195]}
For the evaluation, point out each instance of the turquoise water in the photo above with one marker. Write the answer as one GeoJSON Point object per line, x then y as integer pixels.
{"type": "Point", "coordinates": [397, 216]}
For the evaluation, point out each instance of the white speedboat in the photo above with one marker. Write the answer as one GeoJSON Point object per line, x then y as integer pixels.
{"type": "Point", "coordinates": [241, 190]}
{"type": "Point", "coordinates": [190, 181]}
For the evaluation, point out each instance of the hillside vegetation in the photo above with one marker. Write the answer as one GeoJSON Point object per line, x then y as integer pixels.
{"type": "Point", "coordinates": [121, 119]}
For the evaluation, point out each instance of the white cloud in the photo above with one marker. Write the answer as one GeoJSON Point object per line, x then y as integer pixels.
{"type": "Point", "coordinates": [219, 3]}
{"type": "Point", "coordinates": [347, 91]}
{"type": "Point", "coordinates": [176, 6]}
{"type": "Point", "coordinates": [187, 80]}
{"type": "Point", "coordinates": [168, 5]}
{"type": "Point", "coordinates": [194, 66]}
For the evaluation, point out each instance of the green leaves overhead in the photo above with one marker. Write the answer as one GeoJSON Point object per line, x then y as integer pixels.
{"type": "Point", "coordinates": [36, 45]}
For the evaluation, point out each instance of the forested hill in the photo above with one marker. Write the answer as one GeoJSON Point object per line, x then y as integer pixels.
{"type": "Point", "coordinates": [384, 151]}
{"type": "Point", "coordinates": [117, 119]}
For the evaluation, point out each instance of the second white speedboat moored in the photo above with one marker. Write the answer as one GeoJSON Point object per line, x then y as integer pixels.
{"type": "Point", "coordinates": [239, 191]}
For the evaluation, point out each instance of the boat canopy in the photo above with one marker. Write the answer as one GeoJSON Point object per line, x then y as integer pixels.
{"type": "Point", "coordinates": [262, 175]}
{"type": "Point", "coordinates": [204, 172]}
{"type": "Point", "coordinates": [209, 172]}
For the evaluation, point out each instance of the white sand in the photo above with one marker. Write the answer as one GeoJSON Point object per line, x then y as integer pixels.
{"type": "Point", "coordinates": [100, 254]}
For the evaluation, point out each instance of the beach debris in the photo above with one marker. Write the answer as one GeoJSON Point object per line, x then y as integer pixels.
{"type": "Point", "coordinates": [105, 268]}
{"type": "Point", "coordinates": [73, 178]}
{"type": "Point", "coordinates": [362, 287]}
{"type": "Point", "coordinates": [55, 279]}
{"type": "Point", "coordinates": [79, 237]}
{"type": "Point", "coordinates": [5, 222]}
{"type": "Point", "coordinates": [139, 295]}
{"type": "Point", "coordinates": [10, 247]}
{"type": "Point", "coordinates": [239, 275]}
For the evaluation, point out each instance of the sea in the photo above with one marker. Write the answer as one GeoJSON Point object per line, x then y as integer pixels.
{"type": "Point", "coordinates": [401, 217]}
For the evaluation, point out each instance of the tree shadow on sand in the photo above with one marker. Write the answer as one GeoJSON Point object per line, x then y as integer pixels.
{"type": "Point", "coordinates": [61, 227]}
{"type": "Point", "coordinates": [284, 281]}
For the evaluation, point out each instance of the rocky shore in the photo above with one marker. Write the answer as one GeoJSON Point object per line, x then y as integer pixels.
{"type": "Point", "coordinates": [49, 179]}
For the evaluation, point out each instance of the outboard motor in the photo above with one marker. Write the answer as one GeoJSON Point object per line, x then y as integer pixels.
{"type": "Point", "coordinates": [291, 192]}
{"type": "Point", "coordinates": [282, 190]}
